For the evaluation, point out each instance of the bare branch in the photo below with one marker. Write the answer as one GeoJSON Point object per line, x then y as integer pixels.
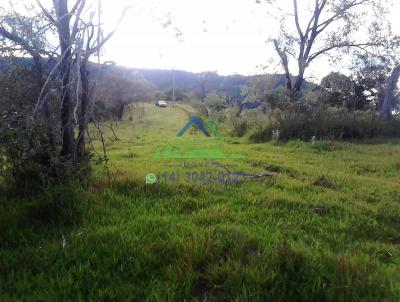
{"type": "Point", "coordinates": [296, 18]}
{"type": "Point", "coordinates": [77, 3]}
{"type": "Point", "coordinates": [341, 45]}
{"type": "Point", "coordinates": [79, 9]}
{"type": "Point", "coordinates": [45, 12]}
{"type": "Point", "coordinates": [314, 31]}
{"type": "Point", "coordinates": [101, 43]}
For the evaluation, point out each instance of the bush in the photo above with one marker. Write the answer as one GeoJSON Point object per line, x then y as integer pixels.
{"type": "Point", "coordinates": [240, 126]}
{"type": "Point", "coordinates": [28, 164]}
{"type": "Point", "coordinates": [254, 122]}
{"type": "Point", "coordinates": [302, 120]}
{"type": "Point", "coordinates": [215, 103]}
{"type": "Point", "coordinates": [200, 108]}
{"type": "Point", "coordinates": [262, 135]}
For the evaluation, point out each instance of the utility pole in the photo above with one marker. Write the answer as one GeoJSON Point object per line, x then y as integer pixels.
{"type": "Point", "coordinates": [173, 85]}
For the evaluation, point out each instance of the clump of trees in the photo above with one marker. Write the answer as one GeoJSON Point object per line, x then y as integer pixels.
{"type": "Point", "coordinates": [116, 89]}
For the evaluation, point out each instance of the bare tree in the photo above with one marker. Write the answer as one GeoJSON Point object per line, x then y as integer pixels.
{"type": "Point", "coordinates": [117, 89]}
{"type": "Point", "coordinates": [331, 26]}
{"type": "Point", "coordinates": [79, 38]}
{"type": "Point", "coordinates": [91, 42]}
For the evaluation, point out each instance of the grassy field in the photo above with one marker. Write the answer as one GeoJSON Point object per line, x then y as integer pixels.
{"type": "Point", "coordinates": [325, 228]}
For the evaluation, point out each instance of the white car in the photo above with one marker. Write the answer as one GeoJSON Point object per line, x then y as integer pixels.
{"type": "Point", "coordinates": [161, 103]}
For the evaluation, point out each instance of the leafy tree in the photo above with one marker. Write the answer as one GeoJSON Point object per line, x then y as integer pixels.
{"type": "Point", "coordinates": [370, 82]}
{"type": "Point", "coordinates": [206, 79]}
{"type": "Point", "coordinates": [377, 74]}
{"type": "Point", "coordinates": [116, 90]}
{"type": "Point", "coordinates": [214, 101]}
{"type": "Point", "coordinates": [179, 93]}
{"type": "Point", "coordinates": [337, 90]}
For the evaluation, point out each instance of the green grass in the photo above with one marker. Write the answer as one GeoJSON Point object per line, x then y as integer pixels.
{"type": "Point", "coordinates": [326, 228]}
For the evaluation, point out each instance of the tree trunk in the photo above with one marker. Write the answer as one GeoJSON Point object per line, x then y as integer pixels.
{"type": "Point", "coordinates": [83, 116]}
{"type": "Point", "coordinates": [239, 112]}
{"type": "Point", "coordinates": [67, 130]}
{"type": "Point", "coordinates": [121, 110]}
{"type": "Point", "coordinates": [288, 80]}
{"type": "Point", "coordinates": [388, 102]}
{"type": "Point", "coordinates": [285, 64]}
{"type": "Point", "coordinates": [300, 78]}
{"type": "Point", "coordinates": [203, 92]}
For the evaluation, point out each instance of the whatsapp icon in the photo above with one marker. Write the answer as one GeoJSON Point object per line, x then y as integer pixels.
{"type": "Point", "coordinates": [151, 178]}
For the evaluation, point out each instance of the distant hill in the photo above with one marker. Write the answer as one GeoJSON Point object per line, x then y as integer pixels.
{"type": "Point", "coordinates": [228, 87]}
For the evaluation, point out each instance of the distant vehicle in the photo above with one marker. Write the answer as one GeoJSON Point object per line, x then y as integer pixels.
{"type": "Point", "coordinates": [161, 103]}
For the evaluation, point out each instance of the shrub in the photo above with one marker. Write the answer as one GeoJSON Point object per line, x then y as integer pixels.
{"type": "Point", "coordinates": [261, 135]}
{"type": "Point", "coordinates": [302, 120]}
{"type": "Point", "coordinates": [28, 164]}
{"type": "Point", "coordinates": [253, 121]}
{"type": "Point", "coordinates": [214, 102]}
{"type": "Point", "coordinates": [240, 126]}
{"type": "Point", "coordinates": [199, 107]}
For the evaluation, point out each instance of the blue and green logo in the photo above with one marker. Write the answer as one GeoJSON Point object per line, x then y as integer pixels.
{"type": "Point", "coordinates": [206, 146]}
{"type": "Point", "coordinates": [199, 124]}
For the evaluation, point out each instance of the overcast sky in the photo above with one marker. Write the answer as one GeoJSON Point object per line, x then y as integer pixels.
{"type": "Point", "coordinates": [227, 36]}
